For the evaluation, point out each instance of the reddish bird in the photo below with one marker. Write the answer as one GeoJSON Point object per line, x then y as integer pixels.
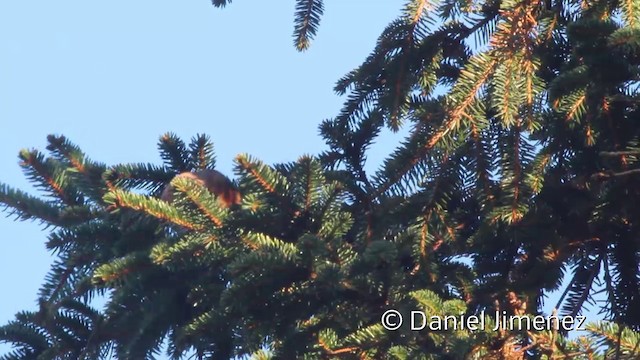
{"type": "Point", "coordinates": [218, 185]}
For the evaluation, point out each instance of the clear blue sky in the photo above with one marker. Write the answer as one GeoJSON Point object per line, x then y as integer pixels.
{"type": "Point", "coordinates": [113, 76]}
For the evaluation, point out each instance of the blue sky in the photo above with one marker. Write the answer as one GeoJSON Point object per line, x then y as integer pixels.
{"type": "Point", "coordinates": [113, 76]}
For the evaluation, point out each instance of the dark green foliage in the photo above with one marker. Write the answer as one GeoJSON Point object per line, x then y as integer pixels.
{"type": "Point", "coordinates": [307, 20]}
{"type": "Point", "coordinates": [520, 169]}
{"type": "Point", "coordinates": [305, 268]}
{"type": "Point", "coordinates": [87, 233]}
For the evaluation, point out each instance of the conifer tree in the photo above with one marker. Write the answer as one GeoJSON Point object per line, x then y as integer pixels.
{"type": "Point", "coordinates": [524, 140]}
{"type": "Point", "coordinates": [521, 161]}
{"type": "Point", "coordinates": [295, 272]}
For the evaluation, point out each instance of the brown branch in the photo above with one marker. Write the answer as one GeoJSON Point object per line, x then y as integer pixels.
{"type": "Point", "coordinates": [618, 153]}
{"type": "Point", "coordinates": [610, 174]}
{"type": "Point", "coordinates": [338, 351]}
{"type": "Point", "coordinates": [249, 167]}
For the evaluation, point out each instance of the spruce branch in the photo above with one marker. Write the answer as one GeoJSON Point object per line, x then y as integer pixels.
{"type": "Point", "coordinates": [306, 19]}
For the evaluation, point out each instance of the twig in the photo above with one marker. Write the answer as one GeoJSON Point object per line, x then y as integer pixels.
{"type": "Point", "coordinates": [619, 153]}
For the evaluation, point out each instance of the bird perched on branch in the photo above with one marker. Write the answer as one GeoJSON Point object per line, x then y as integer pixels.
{"type": "Point", "coordinates": [218, 185]}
